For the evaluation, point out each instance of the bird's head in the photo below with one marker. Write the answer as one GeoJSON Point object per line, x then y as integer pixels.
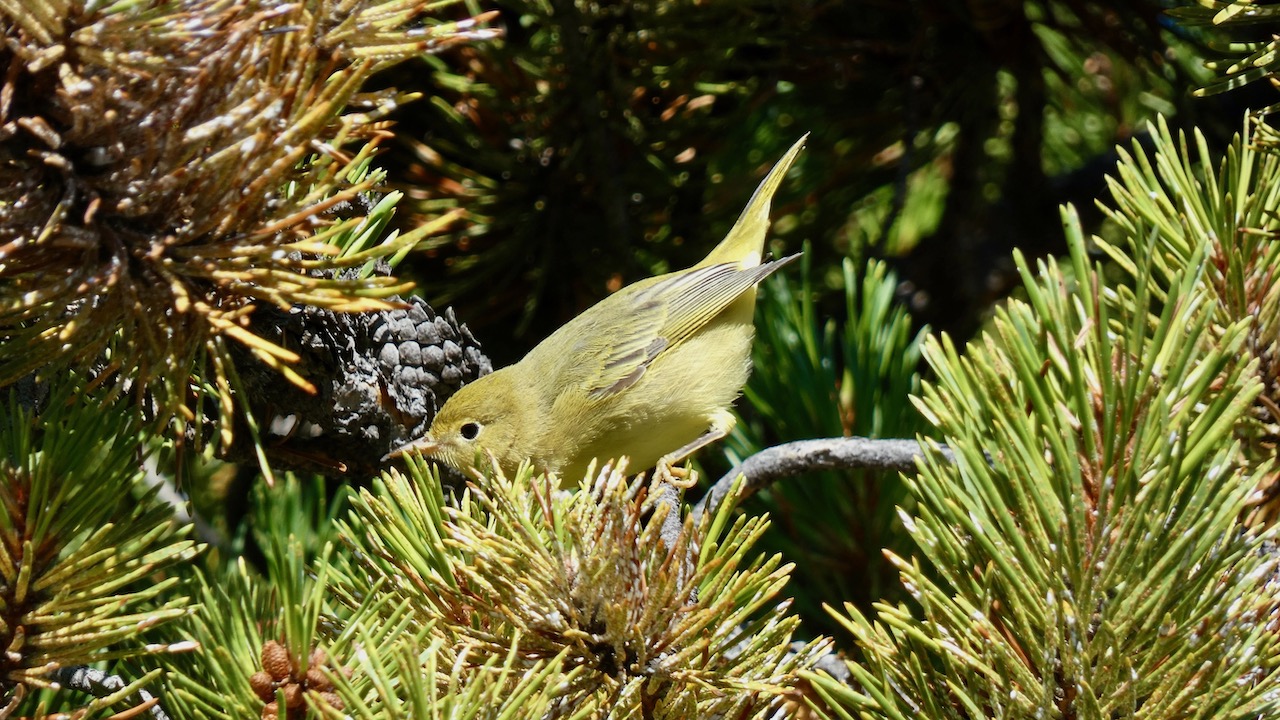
{"type": "Point", "coordinates": [482, 418]}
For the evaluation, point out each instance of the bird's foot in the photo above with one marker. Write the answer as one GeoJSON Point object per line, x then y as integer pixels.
{"type": "Point", "coordinates": [678, 477]}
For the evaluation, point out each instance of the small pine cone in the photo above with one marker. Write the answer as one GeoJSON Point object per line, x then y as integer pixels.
{"type": "Point", "coordinates": [275, 660]}
{"type": "Point", "coordinates": [263, 686]}
{"type": "Point", "coordinates": [318, 657]}
{"type": "Point", "coordinates": [270, 711]}
{"type": "Point", "coordinates": [332, 700]}
{"type": "Point", "coordinates": [316, 679]}
{"type": "Point", "coordinates": [292, 695]}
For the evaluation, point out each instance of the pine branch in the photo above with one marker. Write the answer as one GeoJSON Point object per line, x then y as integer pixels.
{"type": "Point", "coordinates": [794, 458]}
{"type": "Point", "coordinates": [514, 569]}
{"type": "Point", "coordinates": [1093, 561]}
{"type": "Point", "coordinates": [160, 186]}
{"type": "Point", "coordinates": [87, 551]}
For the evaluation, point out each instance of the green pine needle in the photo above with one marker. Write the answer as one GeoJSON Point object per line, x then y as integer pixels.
{"type": "Point", "coordinates": [1083, 554]}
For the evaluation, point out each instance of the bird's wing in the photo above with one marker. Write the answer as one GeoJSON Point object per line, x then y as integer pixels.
{"type": "Point", "coordinates": [663, 315]}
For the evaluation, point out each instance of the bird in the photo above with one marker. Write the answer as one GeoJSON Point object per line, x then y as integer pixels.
{"type": "Point", "coordinates": [649, 372]}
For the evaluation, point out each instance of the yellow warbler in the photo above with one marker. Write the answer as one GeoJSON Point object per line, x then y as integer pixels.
{"type": "Point", "coordinates": [649, 372]}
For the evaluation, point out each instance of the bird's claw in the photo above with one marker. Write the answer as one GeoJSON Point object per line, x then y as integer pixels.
{"type": "Point", "coordinates": [678, 477]}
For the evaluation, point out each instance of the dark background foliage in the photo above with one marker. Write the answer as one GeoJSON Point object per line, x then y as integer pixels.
{"type": "Point", "coordinates": [601, 142]}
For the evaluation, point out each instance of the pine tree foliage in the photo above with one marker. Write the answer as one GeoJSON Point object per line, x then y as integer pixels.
{"type": "Point", "coordinates": [1100, 546]}
{"type": "Point", "coordinates": [1178, 212]}
{"type": "Point", "coordinates": [854, 373]}
{"type": "Point", "coordinates": [270, 645]}
{"type": "Point", "coordinates": [86, 548]}
{"type": "Point", "coordinates": [265, 634]}
{"type": "Point", "coordinates": [1084, 555]}
{"type": "Point", "coordinates": [512, 600]}
{"type": "Point", "coordinates": [629, 132]}
{"type": "Point", "coordinates": [516, 570]}
{"type": "Point", "coordinates": [168, 165]}
{"type": "Point", "coordinates": [501, 687]}
{"type": "Point", "coordinates": [236, 612]}
{"type": "Point", "coordinates": [581, 128]}
{"type": "Point", "coordinates": [1103, 545]}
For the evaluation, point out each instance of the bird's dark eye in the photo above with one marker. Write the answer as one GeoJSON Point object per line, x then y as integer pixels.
{"type": "Point", "coordinates": [470, 430]}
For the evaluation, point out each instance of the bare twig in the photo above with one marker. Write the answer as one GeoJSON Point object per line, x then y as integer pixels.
{"type": "Point", "coordinates": [793, 458]}
{"type": "Point", "coordinates": [671, 524]}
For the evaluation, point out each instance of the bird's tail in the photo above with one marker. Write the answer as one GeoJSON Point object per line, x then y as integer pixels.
{"type": "Point", "coordinates": [745, 242]}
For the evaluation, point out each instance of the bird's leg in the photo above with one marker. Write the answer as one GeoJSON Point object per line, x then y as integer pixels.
{"type": "Point", "coordinates": [721, 424]}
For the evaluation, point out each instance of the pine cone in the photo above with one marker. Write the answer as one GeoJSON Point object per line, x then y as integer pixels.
{"type": "Point", "coordinates": [379, 378]}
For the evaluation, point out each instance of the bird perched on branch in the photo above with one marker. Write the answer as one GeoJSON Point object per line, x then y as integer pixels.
{"type": "Point", "coordinates": [649, 372]}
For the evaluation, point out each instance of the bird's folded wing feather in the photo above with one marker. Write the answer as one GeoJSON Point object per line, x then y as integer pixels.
{"type": "Point", "coordinates": [667, 313]}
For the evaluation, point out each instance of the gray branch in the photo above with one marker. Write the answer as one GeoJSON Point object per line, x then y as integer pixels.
{"type": "Point", "coordinates": [794, 458]}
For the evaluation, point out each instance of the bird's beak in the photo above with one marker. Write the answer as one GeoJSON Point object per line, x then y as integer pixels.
{"type": "Point", "coordinates": [425, 446]}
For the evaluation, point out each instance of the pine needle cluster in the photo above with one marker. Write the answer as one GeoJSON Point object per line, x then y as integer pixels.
{"type": "Point", "coordinates": [652, 627]}
{"type": "Point", "coordinates": [512, 600]}
{"type": "Point", "coordinates": [1180, 212]}
{"type": "Point", "coordinates": [1085, 554]}
{"type": "Point", "coordinates": [86, 549]}
{"type": "Point", "coordinates": [164, 167]}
